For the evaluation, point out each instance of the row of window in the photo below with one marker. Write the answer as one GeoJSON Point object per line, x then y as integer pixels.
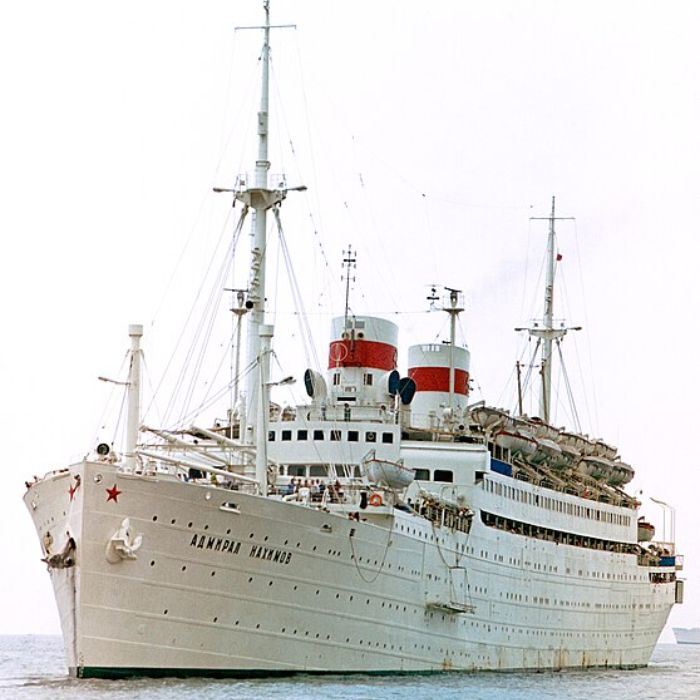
{"type": "Point", "coordinates": [334, 435]}
{"type": "Point", "coordinates": [523, 496]}
{"type": "Point", "coordinates": [559, 536]}
{"type": "Point", "coordinates": [349, 470]}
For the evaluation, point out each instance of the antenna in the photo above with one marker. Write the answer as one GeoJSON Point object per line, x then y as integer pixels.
{"type": "Point", "coordinates": [349, 263]}
{"type": "Point", "coordinates": [432, 297]}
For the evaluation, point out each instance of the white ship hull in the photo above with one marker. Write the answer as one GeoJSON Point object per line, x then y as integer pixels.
{"type": "Point", "coordinates": [265, 587]}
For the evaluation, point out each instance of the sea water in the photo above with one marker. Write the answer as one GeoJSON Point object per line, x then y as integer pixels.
{"type": "Point", "coordinates": [33, 667]}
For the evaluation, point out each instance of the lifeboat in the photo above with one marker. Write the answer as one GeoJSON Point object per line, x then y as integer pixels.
{"type": "Point", "coordinates": [570, 455]}
{"type": "Point", "coordinates": [645, 530]}
{"type": "Point", "coordinates": [621, 474]}
{"type": "Point", "coordinates": [547, 451]}
{"type": "Point", "coordinates": [602, 449]}
{"type": "Point", "coordinates": [595, 467]}
{"type": "Point", "coordinates": [394, 475]}
{"type": "Point", "coordinates": [543, 430]}
{"type": "Point", "coordinates": [488, 418]}
{"type": "Point", "coordinates": [517, 441]}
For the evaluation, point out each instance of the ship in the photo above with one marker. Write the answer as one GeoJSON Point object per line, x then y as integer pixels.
{"type": "Point", "coordinates": [687, 635]}
{"type": "Point", "coordinates": [384, 525]}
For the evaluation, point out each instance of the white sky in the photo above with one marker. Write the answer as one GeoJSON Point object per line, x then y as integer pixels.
{"type": "Point", "coordinates": [436, 131]}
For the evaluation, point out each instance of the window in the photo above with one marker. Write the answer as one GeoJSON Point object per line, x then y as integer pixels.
{"type": "Point", "coordinates": [353, 436]}
{"type": "Point", "coordinates": [302, 434]}
{"type": "Point", "coordinates": [296, 470]}
{"type": "Point", "coordinates": [335, 435]}
{"type": "Point", "coordinates": [368, 378]}
{"type": "Point", "coordinates": [387, 437]}
{"type": "Point", "coordinates": [286, 435]}
{"type": "Point", "coordinates": [271, 436]}
{"type": "Point", "coordinates": [336, 379]}
{"type": "Point", "coordinates": [443, 475]}
{"type": "Point", "coordinates": [318, 470]}
{"type": "Point", "coordinates": [318, 434]}
{"type": "Point", "coordinates": [423, 474]}
{"type": "Point", "coordinates": [370, 436]}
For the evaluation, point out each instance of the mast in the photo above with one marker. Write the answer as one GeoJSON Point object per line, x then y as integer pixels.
{"type": "Point", "coordinates": [546, 394]}
{"type": "Point", "coordinates": [256, 284]}
{"type": "Point", "coordinates": [133, 396]}
{"type": "Point", "coordinates": [545, 331]}
{"type": "Point", "coordinates": [349, 262]}
{"type": "Point", "coordinates": [453, 310]}
{"type": "Point", "coordinates": [260, 198]}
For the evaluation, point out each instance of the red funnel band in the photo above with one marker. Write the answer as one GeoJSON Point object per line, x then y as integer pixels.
{"type": "Point", "coordinates": [361, 353]}
{"type": "Point", "coordinates": [438, 379]}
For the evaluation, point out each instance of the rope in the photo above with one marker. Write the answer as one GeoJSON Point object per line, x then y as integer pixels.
{"type": "Point", "coordinates": [383, 561]}
{"type": "Point", "coordinates": [189, 317]}
{"type": "Point", "coordinates": [567, 384]}
{"type": "Point", "coordinates": [304, 326]}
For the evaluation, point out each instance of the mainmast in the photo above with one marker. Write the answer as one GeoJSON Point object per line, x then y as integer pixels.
{"type": "Point", "coordinates": [545, 331]}
{"type": "Point", "coordinates": [545, 400]}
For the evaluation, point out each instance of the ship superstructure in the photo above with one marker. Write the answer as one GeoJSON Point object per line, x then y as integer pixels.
{"type": "Point", "coordinates": [385, 525]}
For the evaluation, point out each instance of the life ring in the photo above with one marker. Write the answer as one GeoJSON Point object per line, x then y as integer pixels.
{"type": "Point", "coordinates": [375, 500]}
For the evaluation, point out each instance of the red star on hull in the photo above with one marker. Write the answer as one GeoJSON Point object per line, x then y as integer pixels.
{"type": "Point", "coordinates": [112, 494]}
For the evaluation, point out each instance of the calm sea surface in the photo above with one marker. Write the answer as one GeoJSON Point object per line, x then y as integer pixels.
{"type": "Point", "coordinates": [33, 667]}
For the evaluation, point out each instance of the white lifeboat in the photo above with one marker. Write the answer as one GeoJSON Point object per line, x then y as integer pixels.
{"type": "Point", "coordinates": [488, 418]}
{"type": "Point", "coordinates": [595, 467]}
{"type": "Point", "coordinates": [602, 449]}
{"type": "Point", "coordinates": [622, 474]}
{"type": "Point", "coordinates": [517, 441]}
{"type": "Point", "coordinates": [548, 451]}
{"type": "Point", "coordinates": [394, 475]}
{"type": "Point", "coordinates": [645, 530]}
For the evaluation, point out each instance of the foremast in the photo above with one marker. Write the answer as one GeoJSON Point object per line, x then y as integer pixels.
{"type": "Point", "coordinates": [260, 198]}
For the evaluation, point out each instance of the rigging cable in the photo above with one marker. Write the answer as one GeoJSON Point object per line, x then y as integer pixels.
{"type": "Point", "coordinates": [304, 326]}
